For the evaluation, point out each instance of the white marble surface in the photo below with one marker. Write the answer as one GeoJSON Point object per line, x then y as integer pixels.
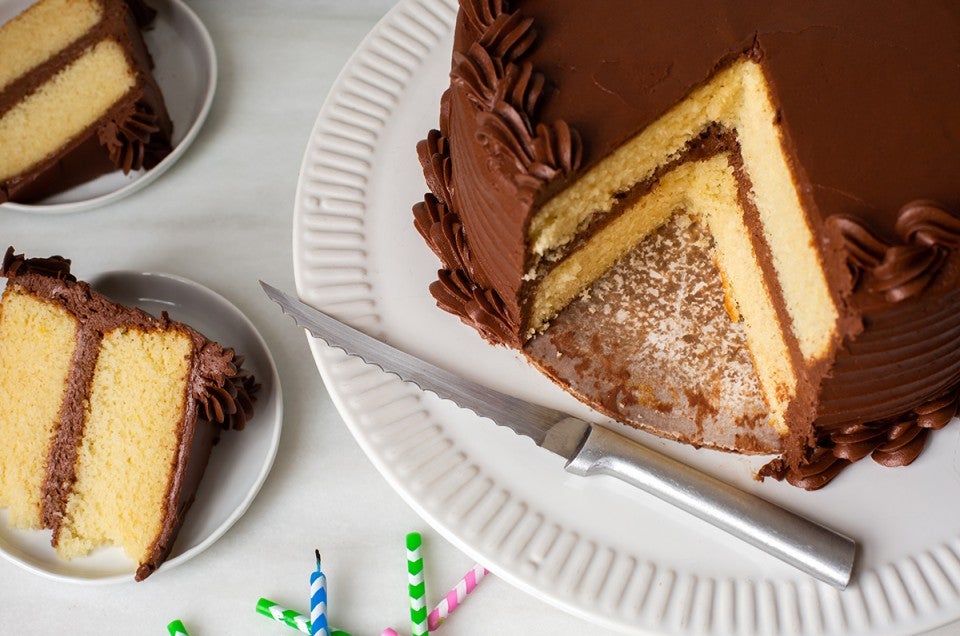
{"type": "Point", "coordinates": [222, 216]}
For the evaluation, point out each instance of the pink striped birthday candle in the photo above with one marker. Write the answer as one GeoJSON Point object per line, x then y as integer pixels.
{"type": "Point", "coordinates": [455, 596]}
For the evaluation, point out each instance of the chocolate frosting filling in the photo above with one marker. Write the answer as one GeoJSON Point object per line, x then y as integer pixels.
{"type": "Point", "coordinates": [219, 395]}
{"type": "Point", "coordinates": [866, 96]}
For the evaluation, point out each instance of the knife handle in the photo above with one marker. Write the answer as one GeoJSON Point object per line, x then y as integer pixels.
{"type": "Point", "coordinates": [804, 544]}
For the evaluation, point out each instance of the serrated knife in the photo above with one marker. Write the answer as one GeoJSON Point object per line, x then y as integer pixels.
{"type": "Point", "coordinates": [591, 449]}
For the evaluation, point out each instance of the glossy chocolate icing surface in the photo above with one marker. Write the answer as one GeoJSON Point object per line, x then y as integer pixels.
{"type": "Point", "coordinates": [220, 394]}
{"type": "Point", "coordinates": [136, 133]}
{"type": "Point", "coordinates": [866, 96]}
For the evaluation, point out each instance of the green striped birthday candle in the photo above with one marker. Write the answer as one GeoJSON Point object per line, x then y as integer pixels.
{"type": "Point", "coordinates": [416, 585]}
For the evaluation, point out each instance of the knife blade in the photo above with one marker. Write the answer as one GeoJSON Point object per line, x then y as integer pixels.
{"type": "Point", "coordinates": [592, 449]}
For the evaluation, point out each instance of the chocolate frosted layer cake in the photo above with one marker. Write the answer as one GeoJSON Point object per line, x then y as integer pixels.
{"type": "Point", "coordinates": [108, 414]}
{"type": "Point", "coordinates": [77, 97]}
{"type": "Point", "coordinates": [818, 146]}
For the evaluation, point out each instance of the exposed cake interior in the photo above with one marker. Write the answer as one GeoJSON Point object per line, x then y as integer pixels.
{"type": "Point", "coordinates": [747, 196]}
{"type": "Point", "coordinates": [37, 342]}
{"type": "Point", "coordinates": [132, 435]}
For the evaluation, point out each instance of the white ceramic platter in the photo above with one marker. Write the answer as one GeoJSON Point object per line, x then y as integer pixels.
{"type": "Point", "coordinates": [185, 66]}
{"type": "Point", "coordinates": [239, 463]}
{"type": "Point", "coordinates": [593, 546]}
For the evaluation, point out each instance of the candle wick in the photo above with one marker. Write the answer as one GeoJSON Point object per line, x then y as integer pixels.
{"type": "Point", "coordinates": [317, 552]}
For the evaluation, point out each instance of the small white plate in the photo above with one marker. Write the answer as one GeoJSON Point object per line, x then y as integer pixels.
{"type": "Point", "coordinates": [239, 463]}
{"type": "Point", "coordinates": [186, 70]}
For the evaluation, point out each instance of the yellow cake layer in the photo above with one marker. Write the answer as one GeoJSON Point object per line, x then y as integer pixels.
{"type": "Point", "coordinates": [64, 107]}
{"type": "Point", "coordinates": [37, 342]}
{"type": "Point", "coordinates": [130, 443]}
{"type": "Point", "coordinates": [738, 99]}
{"type": "Point", "coordinates": [707, 189]}
{"type": "Point", "coordinates": [42, 31]}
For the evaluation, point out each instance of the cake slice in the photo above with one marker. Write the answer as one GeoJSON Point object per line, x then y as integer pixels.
{"type": "Point", "coordinates": [110, 414]}
{"type": "Point", "coordinates": [77, 97]}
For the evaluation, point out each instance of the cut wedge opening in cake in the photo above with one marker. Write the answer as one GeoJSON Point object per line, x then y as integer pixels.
{"type": "Point", "coordinates": [651, 343]}
{"type": "Point", "coordinates": [719, 153]}
{"type": "Point", "coordinates": [109, 414]}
